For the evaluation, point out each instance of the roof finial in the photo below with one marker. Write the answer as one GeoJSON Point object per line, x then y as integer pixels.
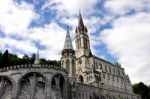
{"type": "Point", "coordinates": [37, 60]}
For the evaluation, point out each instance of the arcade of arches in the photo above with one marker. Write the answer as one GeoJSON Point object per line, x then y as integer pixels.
{"type": "Point", "coordinates": [33, 86]}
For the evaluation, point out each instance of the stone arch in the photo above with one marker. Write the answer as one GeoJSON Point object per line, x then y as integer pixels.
{"type": "Point", "coordinates": [81, 79]}
{"type": "Point", "coordinates": [58, 86]}
{"type": "Point", "coordinates": [33, 84]}
{"type": "Point", "coordinates": [68, 66]}
{"type": "Point", "coordinates": [5, 88]}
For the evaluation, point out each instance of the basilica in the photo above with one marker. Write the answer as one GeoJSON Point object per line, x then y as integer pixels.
{"type": "Point", "coordinates": [81, 75]}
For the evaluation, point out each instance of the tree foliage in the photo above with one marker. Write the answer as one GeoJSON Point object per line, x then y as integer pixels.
{"type": "Point", "coordinates": [142, 89]}
{"type": "Point", "coordinates": [9, 59]}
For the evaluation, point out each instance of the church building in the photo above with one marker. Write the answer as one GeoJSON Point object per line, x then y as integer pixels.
{"type": "Point", "coordinates": [81, 75]}
{"type": "Point", "coordinates": [93, 74]}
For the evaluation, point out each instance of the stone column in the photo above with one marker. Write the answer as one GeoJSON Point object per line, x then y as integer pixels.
{"type": "Point", "coordinates": [16, 89]}
{"type": "Point", "coordinates": [33, 86]}
{"type": "Point", "coordinates": [58, 87]}
{"type": "Point", "coordinates": [2, 87]}
{"type": "Point", "coordinates": [48, 86]}
{"type": "Point", "coordinates": [65, 90]}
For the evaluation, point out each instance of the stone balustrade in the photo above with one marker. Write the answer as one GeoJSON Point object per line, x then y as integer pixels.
{"type": "Point", "coordinates": [32, 66]}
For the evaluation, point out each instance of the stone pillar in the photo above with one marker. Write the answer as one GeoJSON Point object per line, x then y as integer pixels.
{"type": "Point", "coordinates": [65, 90]}
{"type": "Point", "coordinates": [2, 87]}
{"type": "Point", "coordinates": [16, 89]}
{"type": "Point", "coordinates": [33, 86]}
{"type": "Point", "coordinates": [48, 86]}
{"type": "Point", "coordinates": [58, 87]}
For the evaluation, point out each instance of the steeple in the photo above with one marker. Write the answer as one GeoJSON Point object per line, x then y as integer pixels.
{"type": "Point", "coordinates": [68, 43]}
{"type": "Point", "coordinates": [37, 60]}
{"type": "Point", "coordinates": [81, 28]}
{"type": "Point", "coordinates": [80, 22]}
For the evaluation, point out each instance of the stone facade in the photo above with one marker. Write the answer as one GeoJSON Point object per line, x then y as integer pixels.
{"type": "Point", "coordinates": [81, 75]}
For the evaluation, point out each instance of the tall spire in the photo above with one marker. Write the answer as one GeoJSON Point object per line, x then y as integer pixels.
{"type": "Point", "coordinates": [80, 22]}
{"type": "Point", "coordinates": [68, 43]}
{"type": "Point", "coordinates": [81, 28]}
{"type": "Point", "coordinates": [37, 60]}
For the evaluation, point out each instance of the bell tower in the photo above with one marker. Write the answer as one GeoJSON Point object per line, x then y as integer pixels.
{"type": "Point", "coordinates": [83, 50]}
{"type": "Point", "coordinates": [68, 56]}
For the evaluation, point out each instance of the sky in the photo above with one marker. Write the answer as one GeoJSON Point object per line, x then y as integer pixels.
{"type": "Point", "coordinates": [119, 30]}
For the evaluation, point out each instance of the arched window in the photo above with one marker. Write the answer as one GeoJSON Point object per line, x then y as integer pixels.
{"type": "Point", "coordinates": [68, 65]}
{"type": "Point", "coordinates": [81, 80]}
{"type": "Point", "coordinates": [73, 67]}
{"type": "Point", "coordinates": [79, 42]}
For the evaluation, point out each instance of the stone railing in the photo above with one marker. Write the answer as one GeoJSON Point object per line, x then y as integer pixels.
{"type": "Point", "coordinates": [4, 69]}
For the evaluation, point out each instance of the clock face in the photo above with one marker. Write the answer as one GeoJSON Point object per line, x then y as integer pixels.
{"type": "Point", "coordinates": [80, 61]}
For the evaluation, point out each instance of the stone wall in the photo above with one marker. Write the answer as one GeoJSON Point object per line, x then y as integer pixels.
{"type": "Point", "coordinates": [84, 91]}
{"type": "Point", "coordinates": [48, 82]}
{"type": "Point", "coordinates": [51, 82]}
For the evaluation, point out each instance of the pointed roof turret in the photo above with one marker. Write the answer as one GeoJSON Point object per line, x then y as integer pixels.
{"type": "Point", "coordinates": [37, 60]}
{"type": "Point", "coordinates": [68, 43]}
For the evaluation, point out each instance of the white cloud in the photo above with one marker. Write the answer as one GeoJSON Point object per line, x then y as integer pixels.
{"type": "Point", "coordinates": [52, 37]}
{"type": "Point", "coordinates": [129, 40]}
{"type": "Point", "coordinates": [71, 7]}
{"type": "Point", "coordinates": [12, 45]}
{"type": "Point", "coordinates": [15, 18]}
{"type": "Point", "coordinates": [124, 6]}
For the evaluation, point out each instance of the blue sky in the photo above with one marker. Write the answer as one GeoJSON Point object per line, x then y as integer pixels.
{"type": "Point", "coordinates": [118, 30]}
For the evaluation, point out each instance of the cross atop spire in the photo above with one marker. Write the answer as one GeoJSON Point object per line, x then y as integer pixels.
{"type": "Point", "coordinates": [37, 60]}
{"type": "Point", "coordinates": [68, 43]}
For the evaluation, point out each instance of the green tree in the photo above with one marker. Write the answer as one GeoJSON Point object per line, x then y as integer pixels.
{"type": "Point", "coordinates": [54, 62]}
{"type": "Point", "coordinates": [32, 58]}
{"type": "Point", "coordinates": [5, 59]}
{"type": "Point", "coordinates": [13, 59]}
{"type": "Point", "coordinates": [25, 59]}
{"type": "Point", "coordinates": [142, 89]}
{"type": "Point", "coordinates": [1, 56]}
{"type": "Point", "coordinates": [43, 61]}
